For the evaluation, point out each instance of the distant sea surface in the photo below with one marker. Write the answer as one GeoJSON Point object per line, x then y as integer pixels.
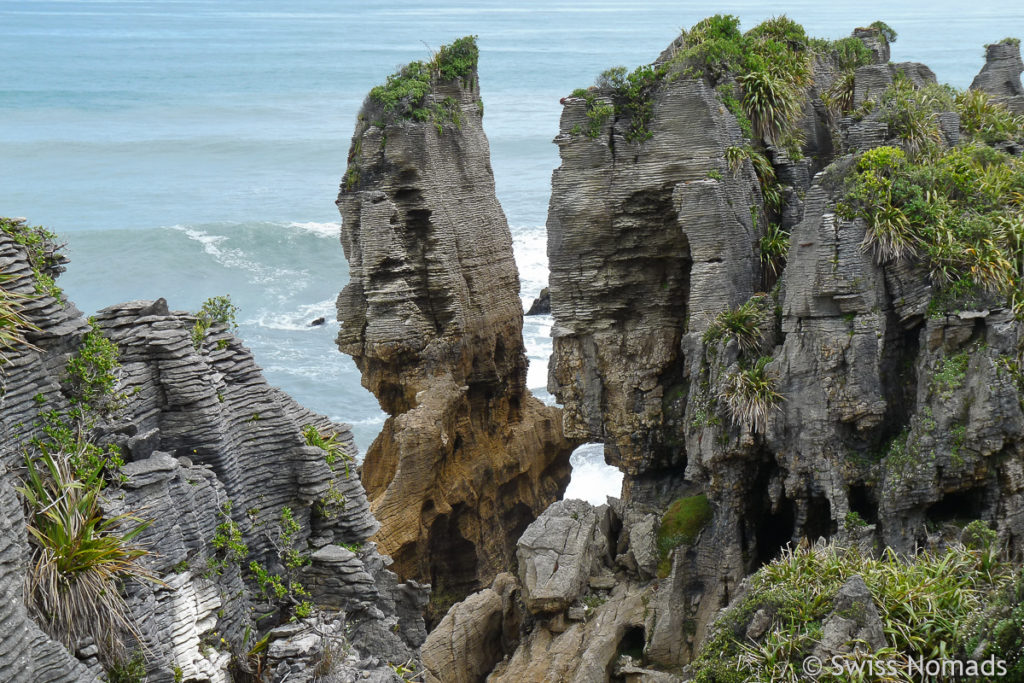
{"type": "Point", "coordinates": [186, 149]}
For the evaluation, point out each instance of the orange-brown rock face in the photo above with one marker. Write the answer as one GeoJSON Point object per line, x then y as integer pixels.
{"type": "Point", "coordinates": [433, 319]}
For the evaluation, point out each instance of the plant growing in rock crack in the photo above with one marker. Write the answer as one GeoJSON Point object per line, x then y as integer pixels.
{"type": "Point", "coordinates": [750, 395]}
{"type": "Point", "coordinates": [334, 452]}
{"type": "Point", "coordinates": [13, 323]}
{"type": "Point", "coordinates": [745, 323]}
{"type": "Point", "coordinates": [215, 310]}
{"type": "Point", "coordinates": [774, 248]}
{"type": "Point", "coordinates": [79, 557]}
{"type": "Point", "coordinates": [43, 253]}
{"type": "Point", "coordinates": [91, 379]}
{"type": "Point", "coordinates": [287, 589]}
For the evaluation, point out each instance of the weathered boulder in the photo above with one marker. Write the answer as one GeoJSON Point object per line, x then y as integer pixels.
{"type": "Point", "coordinates": [558, 552]}
{"type": "Point", "coordinates": [433, 319]}
{"type": "Point", "coordinates": [475, 634]}
{"type": "Point", "coordinates": [542, 304]}
{"type": "Point", "coordinates": [853, 624]}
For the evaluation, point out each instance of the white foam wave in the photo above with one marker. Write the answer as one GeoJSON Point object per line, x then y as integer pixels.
{"type": "Point", "coordinates": [325, 230]}
{"type": "Point", "coordinates": [592, 480]}
{"type": "Point", "coordinates": [260, 274]}
{"type": "Point", "coordinates": [530, 246]}
{"type": "Point", "coordinates": [297, 320]}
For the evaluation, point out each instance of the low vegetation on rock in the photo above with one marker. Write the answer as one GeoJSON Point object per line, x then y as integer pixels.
{"type": "Point", "coordinates": [930, 605]}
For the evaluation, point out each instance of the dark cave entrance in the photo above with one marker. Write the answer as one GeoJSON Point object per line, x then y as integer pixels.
{"type": "Point", "coordinates": [958, 506]}
{"type": "Point", "coordinates": [818, 523]}
{"type": "Point", "coordinates": [632, 645]}
{"type": "Point", "coordinates": [774, 531]}
{"type": "Point", "coordinates": [453, 565]}
{"type": "Point", "coordinates": [862, 501]}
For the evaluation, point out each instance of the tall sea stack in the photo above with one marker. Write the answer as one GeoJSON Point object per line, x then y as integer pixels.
{"type": "Point", "coordinates": [432, 316]}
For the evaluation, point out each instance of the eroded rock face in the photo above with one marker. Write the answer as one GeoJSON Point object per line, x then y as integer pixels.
{"type": "Point", "coordinates": [645, 242]}
{"type": "Point", "coordinates": [1001, 74]}
{"type": "Point", "coordinates": [207, 442]}
{"type": "Point", "coordinates": [433, 319]}
{"type": "Point", "coordinates": [648, 241]}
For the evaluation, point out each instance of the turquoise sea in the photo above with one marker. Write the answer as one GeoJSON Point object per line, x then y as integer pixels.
{"type": "Point", "coordinates": [186, 149]}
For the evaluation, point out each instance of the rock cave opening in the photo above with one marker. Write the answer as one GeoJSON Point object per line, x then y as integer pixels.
{"type": "Point", "coordinates": [863, 501]}
{"type": "Point", "coordinates": [632, 644]}
{"type": "Point", "coordinates": [818, 522]}
{"type": "Point", "coordinates": [957, 506]}
{"type": "Point", "coordinates": [592, 479]}
{"type": "Point", "coordinates": [775, 528]}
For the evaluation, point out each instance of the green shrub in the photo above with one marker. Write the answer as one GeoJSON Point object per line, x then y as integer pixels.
{"type": "Point", "coordinates": [985, 120]}
{"type": "Point", "coordinates": [131, 670]}
{"type": "Point", "coordinates": [215, 310]}
{"type": "Point", "coordinates": [404, 93]}
{"type": "Point", "coordinates": [682, 521]}
{"type": "Point", "coordinates": [925, 603]}
{"type": "Point", "coordinates": [884, 30]}
{"type": "Point", "coordinates": [959, 210]}
{"type": "Point", "coordinates": [42, 249]}
{"type": "Point", "coordinates": [79, 557]}
{"type": "Point", "coordinates": [750, 395]}
{"type": "Point", "coordinates": [92, 374]}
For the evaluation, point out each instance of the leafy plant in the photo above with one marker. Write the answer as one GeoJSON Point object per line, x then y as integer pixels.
{"type": "Point", "coordinates": [43, 252]}
{"type": "Point", "coordinates": [884, 30]}
{"type": "Point", "coordinates": [334, 451]}
{"type": "Point", "coordinates": [926, 604]}
{"type": "Point", "coordinates": [79, 558]}
{"type": "Point", "coordinates": [93, 373]}
{"type": "Point", "coordinates": [13, 323]}
{"type": "Point", "coordinates": [745, 323]}
{"type": "Point", "coordinates": [750, 395]}
{"type": "Point", "coordinates": [774, 248]}
{"type": "Point", "coordinates": [215, 310]}
{"type": "Point", "coordinates": [404, 94]}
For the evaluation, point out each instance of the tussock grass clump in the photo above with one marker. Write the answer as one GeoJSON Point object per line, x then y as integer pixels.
{"type": "Point", "coordinates": [746, 324]}
{"type": "Point", "coordinates": [328, 443]}
{"type": "Point", "coordinates": [13, 323]}
{"type": "Point", "coordinates": [750, 395]}
{"type": "Point", "coordinates": [927, 604]}
{"type": "Point", "coordinates": [79, 558]}
{"type": "Point", "coordinates": [960, 210]}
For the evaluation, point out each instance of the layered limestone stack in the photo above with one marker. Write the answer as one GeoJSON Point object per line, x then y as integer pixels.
{"type": "Point", "coordinates": [207, 443]}
{"type": "Point", "coordinates": [1000, 76]}
{"type": "Point", "coordinates": [648, 241]}
{"type": "Point", "coordinates": [433, 319]}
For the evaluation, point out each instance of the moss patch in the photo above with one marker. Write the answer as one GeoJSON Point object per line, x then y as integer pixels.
{"type": "Point", "coordinates": [680, 524]}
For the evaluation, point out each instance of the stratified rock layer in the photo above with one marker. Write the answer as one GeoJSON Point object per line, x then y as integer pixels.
{"type": "Point", "coordinates": [206, 442]}
{"type": "Point", "coordinates": [433, 319]}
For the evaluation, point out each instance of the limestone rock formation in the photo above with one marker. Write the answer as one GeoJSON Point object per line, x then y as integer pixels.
{"type": "Point", "coordinates": [211, 450]}
{"type": "Point", "coordinates": [1001, 74]}
{"type": "Point", "coordinates": [433, 319]}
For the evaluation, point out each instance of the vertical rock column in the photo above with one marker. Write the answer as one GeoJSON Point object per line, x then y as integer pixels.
{"type": "Point", "coordinates": [432, 317]}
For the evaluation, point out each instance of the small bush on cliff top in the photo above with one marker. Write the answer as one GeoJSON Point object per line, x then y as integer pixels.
{"type": "Point", "coordinates": [216, 309]}
{"type": "Point", "coordinates": [405, 92]}
{"type": "Point", "coordinates": [960, 211]}
{"type": "Point", "coordinates": [42, 248]}
{"type": "Point", "coordinates": [926, 604]}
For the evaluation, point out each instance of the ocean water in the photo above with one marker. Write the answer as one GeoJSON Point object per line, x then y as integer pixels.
{"type": "Point", "coordinates": [187, 149]}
